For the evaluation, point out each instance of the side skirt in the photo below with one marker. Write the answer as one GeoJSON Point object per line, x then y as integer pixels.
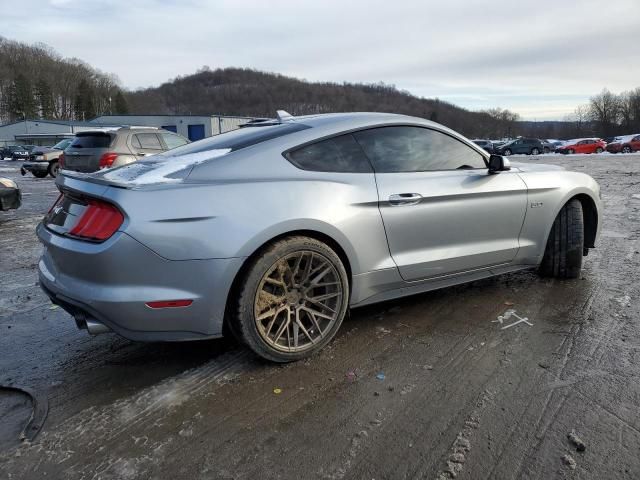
{"type": "Point", "coordinates": [428, 285]}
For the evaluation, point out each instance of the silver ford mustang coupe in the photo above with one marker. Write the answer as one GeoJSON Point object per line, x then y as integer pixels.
{"type": "Point", "coordinates": [271, 232]}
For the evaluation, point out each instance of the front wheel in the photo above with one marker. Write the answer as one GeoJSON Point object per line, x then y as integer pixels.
{"type": "Point", "coordinates": [507, 152]}
{"type": "Point", "coordinates": [293, 299]}
{"type": "Point", "coordinates": [626, 149]}
{"type": "Point", "coordinates": [547, 150]}
{"type": "Point", "coordinates": [535, 151]}
{"type": "Point", "coordinates": [565, 245]}
{"type": "Point", "coordinates": [53, 169]}
{"type": "Point", "coordinates": [599, 150]}
{"type": "Point", "coordinates": [571, 151]}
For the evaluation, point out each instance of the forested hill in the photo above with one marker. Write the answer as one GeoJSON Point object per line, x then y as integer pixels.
{"type": "Point", "coordinates": [37, 82]}
{"type": "Point", "coordinates": [236, 91]}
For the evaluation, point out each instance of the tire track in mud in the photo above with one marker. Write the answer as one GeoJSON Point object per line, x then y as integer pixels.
{"type": "Point", "coordinates": [417, 425]}
{"type": "Point", "coordinates": [543, 417]}
{"type": "Point", "coordinates": [93, 427]}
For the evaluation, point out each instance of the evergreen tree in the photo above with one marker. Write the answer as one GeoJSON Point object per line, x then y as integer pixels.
{"type": "Point", "coordinates": [44, 98]}
{"type": "Point", "coordinates": [120, 106]}
{"type": "Point", "coordinates": [84, 107]}
{"type": "Point", "coordinates": [20, 99]}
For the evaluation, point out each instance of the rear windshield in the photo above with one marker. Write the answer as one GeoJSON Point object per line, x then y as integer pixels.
{"type": "Point", "coordinates": [93, 140]}
{"type": "Point", "coordinates": [237, 139]}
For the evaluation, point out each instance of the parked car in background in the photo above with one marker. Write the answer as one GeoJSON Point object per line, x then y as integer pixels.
{"type": "Point", "coordinates": [272, 232]}
{"type": "Point", "coordinates": [486, 145]}
{"type": "Point", "coordinates": [10, 195]}
{"type": "Point", "coordinates": [547, 146]}
{"type": "Point", "coordinates": [44, 161]}
{"type": "Point", "coordinates": [625, 144]}
{"type": "Point", "coordinates": [527, 146]}
{"type": "Point", "coordinates": [582, 145]}
{"type": "Point", "coordinates": [95, 150]}
{"type": "Point", "coordinates": [14, 152]}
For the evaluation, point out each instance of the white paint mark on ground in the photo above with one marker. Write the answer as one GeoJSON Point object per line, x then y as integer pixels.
{"type": "Point", "coordinates": [507, 315]}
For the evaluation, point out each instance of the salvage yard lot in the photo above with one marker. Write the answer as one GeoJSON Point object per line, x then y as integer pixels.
{"type": "Point", "coordinates": [424, 387]}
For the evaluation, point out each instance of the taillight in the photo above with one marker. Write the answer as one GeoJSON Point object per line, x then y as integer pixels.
{"type": "Point", "coordinates": [99, 221]}
{"type": "Point", "coordinates": [107, 159]}
{"type": "Point", "coordinates": [61, 160]}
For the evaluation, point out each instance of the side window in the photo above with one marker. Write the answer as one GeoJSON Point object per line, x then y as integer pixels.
{"type": "Point", "coordinates": [416, 149]}
{"type": "Point", "coordinates": [173, 141]}
{"type": "Point", "coordinates": [636, 139]}
{"type": "Point", "coordinates": [146, 141]}
{"type": "Point", "coordinates": [337, 154]}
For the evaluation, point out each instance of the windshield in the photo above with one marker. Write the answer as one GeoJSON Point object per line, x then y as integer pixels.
{"type": "Point", "coordinates": [62, 144]}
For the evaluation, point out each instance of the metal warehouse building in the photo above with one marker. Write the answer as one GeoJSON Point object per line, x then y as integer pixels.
{"type": "Point", "coordinates": [50, 132]}
{"type": "Point", "coordinates": [194, 127]}
{"type": "Point", "coordinates": [42, 132]}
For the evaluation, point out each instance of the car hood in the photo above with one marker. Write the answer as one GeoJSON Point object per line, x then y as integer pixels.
{"type": "Point", "coordinates": [535, 167]}
{"type": "Point", "coordinates": [41, 150]}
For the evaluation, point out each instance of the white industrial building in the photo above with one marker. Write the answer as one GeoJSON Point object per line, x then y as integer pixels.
{"type": "Point", "coordinates": [50, 132]}
{"type": "Point", "coordinates": [193, 127]}
{"type": "Point", "coordinates": [41, 132]}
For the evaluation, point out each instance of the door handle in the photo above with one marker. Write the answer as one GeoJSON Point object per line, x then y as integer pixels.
{"type": "Point", "coordinates": [398, 199]}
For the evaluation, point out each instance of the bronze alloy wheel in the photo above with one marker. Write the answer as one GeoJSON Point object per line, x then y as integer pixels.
{"type": "Point", "coordinates": [298, 301]}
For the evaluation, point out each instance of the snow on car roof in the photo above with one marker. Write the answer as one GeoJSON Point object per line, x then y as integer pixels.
{"type": "Point", "coordinates": [626, 138]}
{"type": "Point", "coordinates": [163, 168]}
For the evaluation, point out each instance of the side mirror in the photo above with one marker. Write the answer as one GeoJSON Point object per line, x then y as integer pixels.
{"type": "Point", "coordinates": [497, 164]}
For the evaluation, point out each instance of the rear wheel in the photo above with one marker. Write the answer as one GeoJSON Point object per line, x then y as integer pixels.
{"type": "Point", "coordinates": [571, 151]}
{"type": "Point", "coordinates": [547, 150]}
{"type": "Point", "coordinates": [293, 299]}
{"type": "Point", "coordinates": [507, 152]}
{"type": "Point", "coordinates": [39, 174]}
{"type": "Point", "coordinates": [599, 150]}
{"type": "Point", "coordinates": [565, 245]}
{"type": "Point", "coordinates": [535, 151]}
{"type": "Point", "coordinates": [54, 167]}
{"type": "Point", "coordinates": [626, 149]}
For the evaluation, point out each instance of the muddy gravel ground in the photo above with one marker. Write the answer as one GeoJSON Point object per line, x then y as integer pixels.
{"type": "Point", "coordinates": [425, 387]}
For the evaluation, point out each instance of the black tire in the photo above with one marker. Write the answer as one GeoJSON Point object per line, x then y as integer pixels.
{"type": "Point", "coordinates": [53, 169]}
{"type": "Point", "coordinates": [565, 245]}
{"type": "Point", "coordinates": [535, 151]}
{"type": "Point", "coordinates": [547, 150]}
{"type": "Point", "coordinates": [507, 152]}
{"type": "Point", "coordinates": [40, 174]}
{"type": "Point", "coordinates": [245, 325]}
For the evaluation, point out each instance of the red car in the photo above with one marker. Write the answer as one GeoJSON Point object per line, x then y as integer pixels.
{"type": "Point", "coordinates": [626, 144]}
{"type": "Point", "coordinates": [583, 145]}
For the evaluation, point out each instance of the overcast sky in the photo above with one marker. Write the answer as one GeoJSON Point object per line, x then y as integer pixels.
{"type": "Point", "coordinates": [539, 58]}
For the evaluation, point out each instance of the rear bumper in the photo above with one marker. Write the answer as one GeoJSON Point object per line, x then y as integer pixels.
{"type": "Point", "coordinates": [111, 282]}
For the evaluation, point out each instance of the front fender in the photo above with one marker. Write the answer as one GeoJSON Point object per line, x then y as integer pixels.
{"type": "Point", "coordinates": [548, 192]}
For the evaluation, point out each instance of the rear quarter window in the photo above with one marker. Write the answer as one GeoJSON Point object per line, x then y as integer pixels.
{"type": "Point", "coordinates": [337, 154]}
{"type": "Point", "coordinates": [146, 141]}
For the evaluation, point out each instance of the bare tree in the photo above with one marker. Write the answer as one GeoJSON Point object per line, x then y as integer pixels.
{"type": "Point", "coordinates": [604, 111]}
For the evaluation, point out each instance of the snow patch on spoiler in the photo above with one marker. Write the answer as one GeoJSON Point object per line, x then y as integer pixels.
{"type": "Point", "coordinates": [163, 168]}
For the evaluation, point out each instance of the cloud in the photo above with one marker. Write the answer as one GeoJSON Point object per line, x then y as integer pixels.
{"type": "Point", "coordinates": [538, 57]}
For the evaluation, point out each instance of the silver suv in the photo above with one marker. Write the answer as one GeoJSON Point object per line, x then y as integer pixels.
{"type": "Point", "coordinates": [99, 149]}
